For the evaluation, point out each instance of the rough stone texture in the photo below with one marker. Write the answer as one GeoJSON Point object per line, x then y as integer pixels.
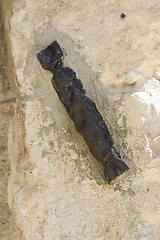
{"type": "Point", "coordinates": [56, 189]}
{"type": "Point", "coordinates": [4, 85]}
{"type": "Point", "coordinates": [8, 229]}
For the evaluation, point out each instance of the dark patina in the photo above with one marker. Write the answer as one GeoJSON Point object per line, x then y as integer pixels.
{"type": "Point", "coordinates": [82, 110]}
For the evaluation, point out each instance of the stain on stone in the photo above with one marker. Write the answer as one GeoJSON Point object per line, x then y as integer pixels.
{"type": "Point", "coordinates": [123, 15]}
{"type": "Point", "coordinates": [82, 110]}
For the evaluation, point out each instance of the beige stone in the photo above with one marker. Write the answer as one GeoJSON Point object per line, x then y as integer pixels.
{"type": "Point", "coordinates": [56, 188]}
{"type": "Point", "coordinates": [8, 230]}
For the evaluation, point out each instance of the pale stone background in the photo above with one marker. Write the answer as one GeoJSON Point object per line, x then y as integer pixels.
{"type": "Point", "coordinates": [56, 188]}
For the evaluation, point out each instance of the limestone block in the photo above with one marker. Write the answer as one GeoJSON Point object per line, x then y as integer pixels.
{"type": "Point", "coordinates": [56, 188]}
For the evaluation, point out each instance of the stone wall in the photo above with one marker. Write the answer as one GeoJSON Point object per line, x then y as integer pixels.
{"type": "Point", "coordinates": [57, 189]}
{"type": "Point", "coordinates": [8, 229]}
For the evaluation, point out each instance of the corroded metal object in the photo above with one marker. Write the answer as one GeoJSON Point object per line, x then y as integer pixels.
{"type": "Point", "coordinates": [82, 110]}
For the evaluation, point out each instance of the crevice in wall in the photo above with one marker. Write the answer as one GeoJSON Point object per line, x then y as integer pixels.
{"type": "Point", "coordinates": [6, 14]}
{"type": "Point", "coordinates": [7, 104]}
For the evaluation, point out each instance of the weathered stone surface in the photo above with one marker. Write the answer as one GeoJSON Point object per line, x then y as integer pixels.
{"type": "Point", "coordinates": [56, 189]}
{"type": "Point", "coordinates": [8, 229]}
